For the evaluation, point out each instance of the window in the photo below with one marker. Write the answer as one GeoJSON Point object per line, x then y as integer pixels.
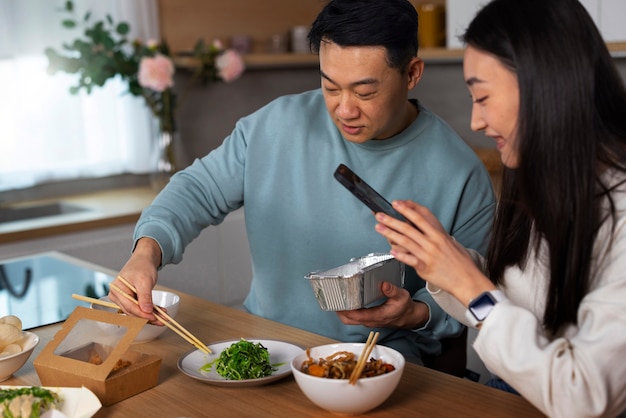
{"type": "Point", "coordinates": [46, 134]}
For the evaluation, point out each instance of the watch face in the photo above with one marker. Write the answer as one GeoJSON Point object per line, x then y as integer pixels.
{"type": "Point", "coordinates": [481, 306]}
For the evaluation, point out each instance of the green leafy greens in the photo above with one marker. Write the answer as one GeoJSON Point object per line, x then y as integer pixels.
{"type": "Point", "coordinates": [40, 400]}
{"type": "Point", "coordinates": [242, 360]}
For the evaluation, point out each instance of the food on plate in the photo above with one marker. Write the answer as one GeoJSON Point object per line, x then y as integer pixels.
{"type": "Point", "coordinates": [242, 360]}
{"type": "Point", "coordinates": [27, 402]}
{"type": "Point", "coordinates": [341, 364]}
{"type": "Point", "coordinates": [11, 338]}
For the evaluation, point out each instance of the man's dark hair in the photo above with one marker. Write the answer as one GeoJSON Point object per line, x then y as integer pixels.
{"type": "Point", "coordinates": [391, 24]}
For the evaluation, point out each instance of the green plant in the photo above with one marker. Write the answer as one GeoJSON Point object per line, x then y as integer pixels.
{"type": "Point", "coordinates": [105, 52]}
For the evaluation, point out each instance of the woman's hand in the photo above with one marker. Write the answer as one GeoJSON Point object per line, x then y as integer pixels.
{"type": "Point", "coordinates": [432, 252]}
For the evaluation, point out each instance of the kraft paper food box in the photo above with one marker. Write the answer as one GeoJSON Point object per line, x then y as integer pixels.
{"type": "Point", "coordinates": [92, 350]}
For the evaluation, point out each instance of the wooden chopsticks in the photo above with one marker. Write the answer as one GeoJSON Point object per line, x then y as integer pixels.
{"type": "Point", "coordinates": [365, 355]}
{"type": "Point", "coordinates": [195, 342]}
{"type": "Point", "coordinates": [162, 316]}
{"type": "Point", "coordinates": [95, 301]}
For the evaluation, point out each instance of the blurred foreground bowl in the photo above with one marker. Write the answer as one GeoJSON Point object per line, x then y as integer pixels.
{"type": "Point", "coordinates": [13, 362]}
{"type": "Point", "coordinates": [339, 396]}
{"type": "Point", "coordinates": [164, 299]}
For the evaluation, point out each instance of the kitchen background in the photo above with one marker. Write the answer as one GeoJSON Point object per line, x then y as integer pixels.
{"type": "Point", "coordinates": [216, 265]}
{"type": "Point", "coordinates": [442, 87]}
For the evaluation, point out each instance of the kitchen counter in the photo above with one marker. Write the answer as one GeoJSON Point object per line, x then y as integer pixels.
{"type": "Point", "coordinates": [97, 210]}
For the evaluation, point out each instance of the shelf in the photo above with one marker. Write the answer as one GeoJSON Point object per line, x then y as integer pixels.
{"type": "Point", "coordinates": [617, 49]}
{"type": "Point", "coordinates": [268, 60]}
{"type": "Point", "coordinates": [265, 61]}
{"type": "Point", "coordinates": [261, 61]}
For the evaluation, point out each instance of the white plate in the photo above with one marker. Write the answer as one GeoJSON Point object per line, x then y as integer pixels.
{"type": "Point", "coordinates": [281, 354]}
{"type": "Point", "coordinates": [77, 402]}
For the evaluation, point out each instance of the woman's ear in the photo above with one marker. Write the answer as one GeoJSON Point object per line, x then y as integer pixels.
{"type": "Point", "coordinates": [415, 69]}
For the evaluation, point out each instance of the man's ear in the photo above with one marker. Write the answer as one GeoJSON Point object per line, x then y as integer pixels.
{"type": "Point", "coordinates": [415, 69]}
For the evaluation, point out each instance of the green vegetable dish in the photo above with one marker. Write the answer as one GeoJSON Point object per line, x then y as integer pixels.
{"type": "Point", "coordinates": [241, 361]}
{"type": "Point", "coordinates": [27, 402]}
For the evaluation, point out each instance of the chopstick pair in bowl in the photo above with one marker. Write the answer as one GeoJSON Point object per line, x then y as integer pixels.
{"type": "Point", "coordinates": [365, 355]}
{"type": "Point", "coordinates": [160, 314]}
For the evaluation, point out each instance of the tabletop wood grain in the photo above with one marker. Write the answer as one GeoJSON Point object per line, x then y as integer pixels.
{"type": "Point", "coordinates": [421, 393]}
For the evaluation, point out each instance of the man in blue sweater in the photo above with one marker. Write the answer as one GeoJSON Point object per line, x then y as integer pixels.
{"type": "Point", "coordinates": [279, 163]}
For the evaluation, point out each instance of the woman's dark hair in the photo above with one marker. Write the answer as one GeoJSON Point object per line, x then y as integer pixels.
{"type": "Point", "coordinates": [390, 23]}
{"type": "Point", "coordinates": [571, 127]}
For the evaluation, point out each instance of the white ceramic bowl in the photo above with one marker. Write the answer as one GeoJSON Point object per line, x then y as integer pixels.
{"type": "Point", "coordinates": [14, 362]}
{"type": "Point", "coordinates": [339, 396]}
{"type": "Point", "coordinates": [167, 300]}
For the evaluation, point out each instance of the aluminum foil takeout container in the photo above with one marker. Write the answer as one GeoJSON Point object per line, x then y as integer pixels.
{"type": "Point", "coordinates": [356, 284]}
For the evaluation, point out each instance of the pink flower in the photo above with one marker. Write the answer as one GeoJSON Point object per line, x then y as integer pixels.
{"type": "Point", "coordinates": [156, 73]}
{"type": "Point", "coordinates": [153, 43]}
{"type": "Point", "coordinates": [229, 65]}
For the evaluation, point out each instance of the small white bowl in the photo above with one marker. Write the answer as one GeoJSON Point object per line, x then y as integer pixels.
{"type": "Point", "coordinates": [339, 396]}
{"type": "Point", "coordinates": [167, 300]}
{"type": "Point", "coordinates": [12, 363]}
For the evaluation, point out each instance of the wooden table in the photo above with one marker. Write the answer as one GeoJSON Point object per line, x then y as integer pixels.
{"type": "Point", "coordinates": [421, 393]}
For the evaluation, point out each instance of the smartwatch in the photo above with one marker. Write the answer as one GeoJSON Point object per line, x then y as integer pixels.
{"type": "Point", "coordinates": [480, 307]}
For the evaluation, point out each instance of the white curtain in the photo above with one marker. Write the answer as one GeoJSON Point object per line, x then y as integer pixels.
{"type": "Point", "coordinates": [46, 133]}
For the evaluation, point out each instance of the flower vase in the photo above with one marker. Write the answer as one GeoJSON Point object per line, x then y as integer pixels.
{"type": "Point", "coordinates": [164, 161]}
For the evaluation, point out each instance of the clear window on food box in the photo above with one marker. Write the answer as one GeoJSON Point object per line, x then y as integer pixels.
{"type": "Point", "coordinates": [91, 341]}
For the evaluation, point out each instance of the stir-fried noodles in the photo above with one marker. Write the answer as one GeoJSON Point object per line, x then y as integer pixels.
{"type": "Point", "coordinates": [340, 365]}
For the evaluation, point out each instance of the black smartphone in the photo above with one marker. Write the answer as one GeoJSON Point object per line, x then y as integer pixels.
{"type": "Point", "coordinates": [364, 192]}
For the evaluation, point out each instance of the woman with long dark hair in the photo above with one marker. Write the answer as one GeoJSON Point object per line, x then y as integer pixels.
{"type": "Point", "coordinates": [550, 298]}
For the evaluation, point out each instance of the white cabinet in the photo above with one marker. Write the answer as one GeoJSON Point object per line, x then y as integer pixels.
{"type": "Point", "coordinates": [610, 17]}
{"type": "Point", "coordinates": [593, 7]}
{"type": "Point", "coordinates": [459, 14]}
{"type": "Point", "coordinates": [215, 266]}
{"type": "Point", "coordinates": [607, 14]}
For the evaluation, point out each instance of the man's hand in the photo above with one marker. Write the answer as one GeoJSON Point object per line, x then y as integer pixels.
{"type": "Point", "coordinates": [140, 271]}
{"type": "Point", "coordinates": [398, 311]}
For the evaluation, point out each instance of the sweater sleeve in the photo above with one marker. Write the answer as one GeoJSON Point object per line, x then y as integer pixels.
{"type": "Point", "coordinates": [440, 324]}
{"type": "Point", "coordinates": [195, 198]}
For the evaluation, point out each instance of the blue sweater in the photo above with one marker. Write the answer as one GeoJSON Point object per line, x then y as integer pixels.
{"type": "Point", "coordinates": [279, 162]}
